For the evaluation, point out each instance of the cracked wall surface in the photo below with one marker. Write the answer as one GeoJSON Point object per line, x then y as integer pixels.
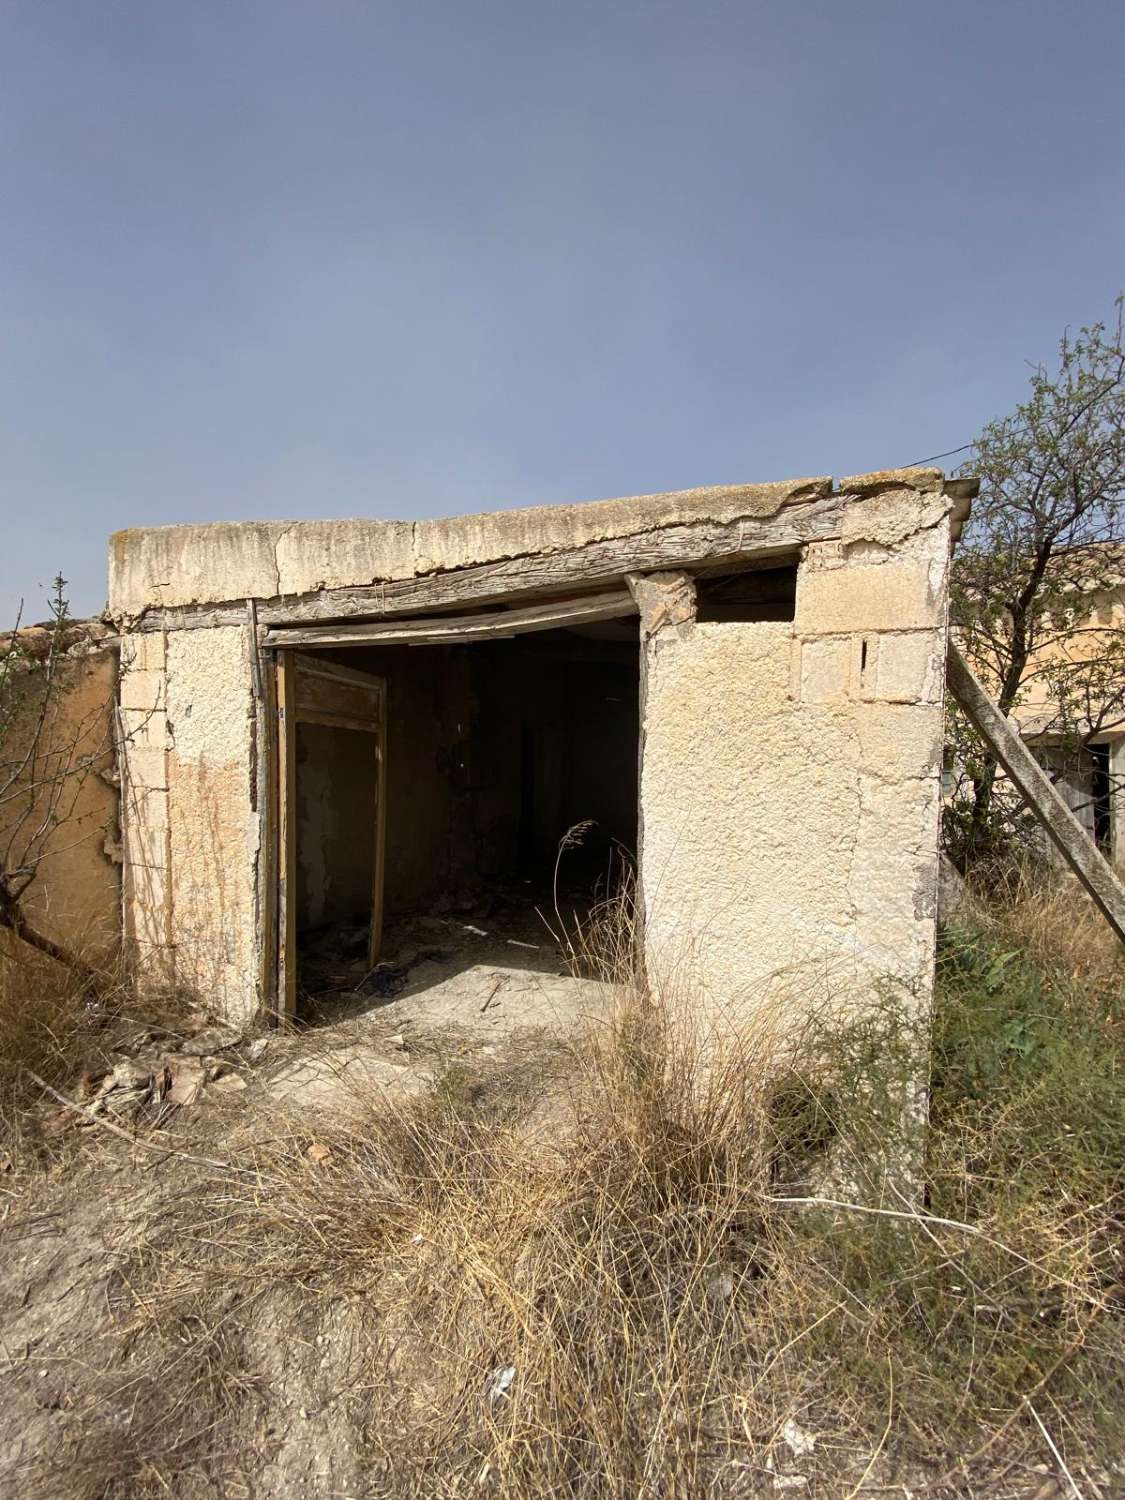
{"type": "Point", "coordinates": [791, 775]}
{"type": "Point", "coordinates": [191, 830]}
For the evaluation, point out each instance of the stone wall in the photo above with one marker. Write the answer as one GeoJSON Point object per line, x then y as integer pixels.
{"type": "Point", "coordinates": [791, 774]}
{"type": "Point", "coordinates": [191, 826]}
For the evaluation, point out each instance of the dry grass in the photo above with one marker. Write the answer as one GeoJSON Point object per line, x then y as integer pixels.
{"type": "Point", "coordinates": [625, 1303]}
{"type": "Point", "coordinates": [48, 1018]}
{"type": "Point", "coordinates": [1046, 915]}
{"type": "Point", "coordinates": [56, 1022]}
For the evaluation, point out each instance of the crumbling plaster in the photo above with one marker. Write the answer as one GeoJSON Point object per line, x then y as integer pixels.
{"type": "Point", "coordinates": [172, 566]}
{"type": "Point", "coordinates": [74, 898]}
{"type": "Point", "coordinates": [190, 824]}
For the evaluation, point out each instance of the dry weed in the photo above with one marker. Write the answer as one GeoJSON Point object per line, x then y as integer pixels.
{"type": "Point", "coordinates": [1046, 914]}
{"type": "Point", "coordinates": [630, 1303]}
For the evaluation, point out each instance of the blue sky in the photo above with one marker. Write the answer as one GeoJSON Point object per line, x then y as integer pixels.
{"type": "Point", "coordinates": [405, 259]}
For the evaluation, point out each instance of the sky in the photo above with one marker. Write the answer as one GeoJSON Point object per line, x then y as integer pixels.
{"type": "Point", "coordinates": [350, 258]}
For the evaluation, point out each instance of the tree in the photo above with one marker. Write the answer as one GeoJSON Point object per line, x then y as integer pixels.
{"type": "Point", "coordinates": [45, 756]}
{"type": "Point", "coordinates": [1045, 544]}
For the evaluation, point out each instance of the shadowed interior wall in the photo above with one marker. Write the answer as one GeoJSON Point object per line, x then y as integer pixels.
{"type": "Point", "coordinates": [428, 717]}
{"type": "Point", "coordinates": [555, 745]}
{"type": "Point", "coordinates": [494, 751]}
{"type": "Point", "coordinates": [336, 782]}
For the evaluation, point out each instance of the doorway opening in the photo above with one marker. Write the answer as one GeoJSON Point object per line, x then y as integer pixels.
{"type": "Point", "coordinates": [506, 782]}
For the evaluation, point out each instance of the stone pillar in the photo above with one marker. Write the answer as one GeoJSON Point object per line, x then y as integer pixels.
{"type": "Point", "coordinates": [791, 770]}
{"type": "Point", "coordinates": [142, 756]}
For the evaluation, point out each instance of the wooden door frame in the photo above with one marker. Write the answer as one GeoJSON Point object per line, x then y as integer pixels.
{"type": "Point", "coordinates": [280, 975]}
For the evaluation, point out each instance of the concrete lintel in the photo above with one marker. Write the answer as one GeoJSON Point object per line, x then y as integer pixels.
{"type": "Point", "coordinates": [663, 599]}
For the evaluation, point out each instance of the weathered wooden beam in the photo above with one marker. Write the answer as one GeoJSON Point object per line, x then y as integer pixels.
{"type": "Point", "coordinates": [593, 567]}
{"type": "Point", "coordinates": [287, 839]}
{"type": "Point", "coordinates": [1062, 827]}
{"type": "Point", "coordinates": [452, 629]}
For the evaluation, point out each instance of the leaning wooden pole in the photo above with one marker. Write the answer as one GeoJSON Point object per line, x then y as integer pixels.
{"type": "Point", "coordinates": [1063, 828]}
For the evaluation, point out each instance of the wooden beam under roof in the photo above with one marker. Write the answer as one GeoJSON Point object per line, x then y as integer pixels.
{"type": "Point", "coordinates": [455, 629]}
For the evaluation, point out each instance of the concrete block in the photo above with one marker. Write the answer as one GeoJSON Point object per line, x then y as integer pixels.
{"type": "Point", "coordinates": [142, 728]}
{"type": "Point", "coordinates": [891, 517]}
{"type": "Point", "coordinates": [141, 690]}
{"type": "Point", "coordinates": [146, 845]}
{"type": "Point", "coordinates": [663, 599]}
{"type": "Point", "coordinates": [148, 887]}
{"type": "Point", "coordinates": [885, 596]}
{"type": "Point", "coordinates": [167, 566]}
{"type": "Point", "coordinates": [826, 669]}
{"type": "Point", "coordinates": [461, 541]}
{"type": "Point", "coordinates": [147, 926]}
{"type": "Point", "coordinates": [819, 555]}
{"type": "Point", "coordinates": [144, 769]}
{"type": "Point", "coordinates": [145, 807]}
{"type": "Point", "coordinates": [910, 668]}
{"type": "Point", "coordinates": [899, 741]}
{"type": "Point", "coordinates": [144, 651]}
{"type": "Point", "coordinates": [153, 962]}
{"type": "Point", "coordinates": [313, 555]}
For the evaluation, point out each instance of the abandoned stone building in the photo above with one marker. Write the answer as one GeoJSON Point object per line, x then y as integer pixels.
{"type": "Point", "coordinates": [736, 693]}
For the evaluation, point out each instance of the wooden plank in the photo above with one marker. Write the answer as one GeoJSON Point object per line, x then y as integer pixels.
{"type": "Point", "coordinates": [375, 941]}
{"type": "Point", "coordinates": [297, 677]}
{"type": "Point", "coordinates": [337, 721]}
{"type": "Point", "coordinates": [287, 839]}
{"type": "Point", "coordinates": [1062, 827]}
{"type": "Point", "coordinates": [267, 807]}
{"type": "Point", "coordinates": [454, 629]}
{"type": "Point", "coordinates": [319, 696]}
{"type": "Point", "coordinates": [252, 644]}
{"type": "Point", "coordinates": [592, 567]}
{"type": "Point", "coordinates": [329, 671]}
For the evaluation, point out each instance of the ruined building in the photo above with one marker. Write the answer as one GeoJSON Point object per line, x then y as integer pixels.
{"type": "Point", "coordinates": [740, 689]}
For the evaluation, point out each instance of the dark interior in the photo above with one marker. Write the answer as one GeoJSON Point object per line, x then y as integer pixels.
{"type": "Point", "coordinates": [495, 752]}
{"type": "Point", "coordinates": [747, 595]}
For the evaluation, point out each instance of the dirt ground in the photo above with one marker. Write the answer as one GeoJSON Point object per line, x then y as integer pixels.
{"type": "Point", "coordinates": [84, 1396]}
{"type": "Point", "coordinates": [447, 988]}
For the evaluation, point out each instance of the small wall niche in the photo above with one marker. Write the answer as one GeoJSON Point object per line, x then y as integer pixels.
{"type": "Point", "coordinates": [753, 594]}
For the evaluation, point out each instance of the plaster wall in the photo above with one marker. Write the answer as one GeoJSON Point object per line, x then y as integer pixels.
{"type": "Point", "coordinates": [191, 827]}
{"type": "Point", "coordinates": [791, 777]}
{"type": "Point", "coordinates": [75, 897]}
